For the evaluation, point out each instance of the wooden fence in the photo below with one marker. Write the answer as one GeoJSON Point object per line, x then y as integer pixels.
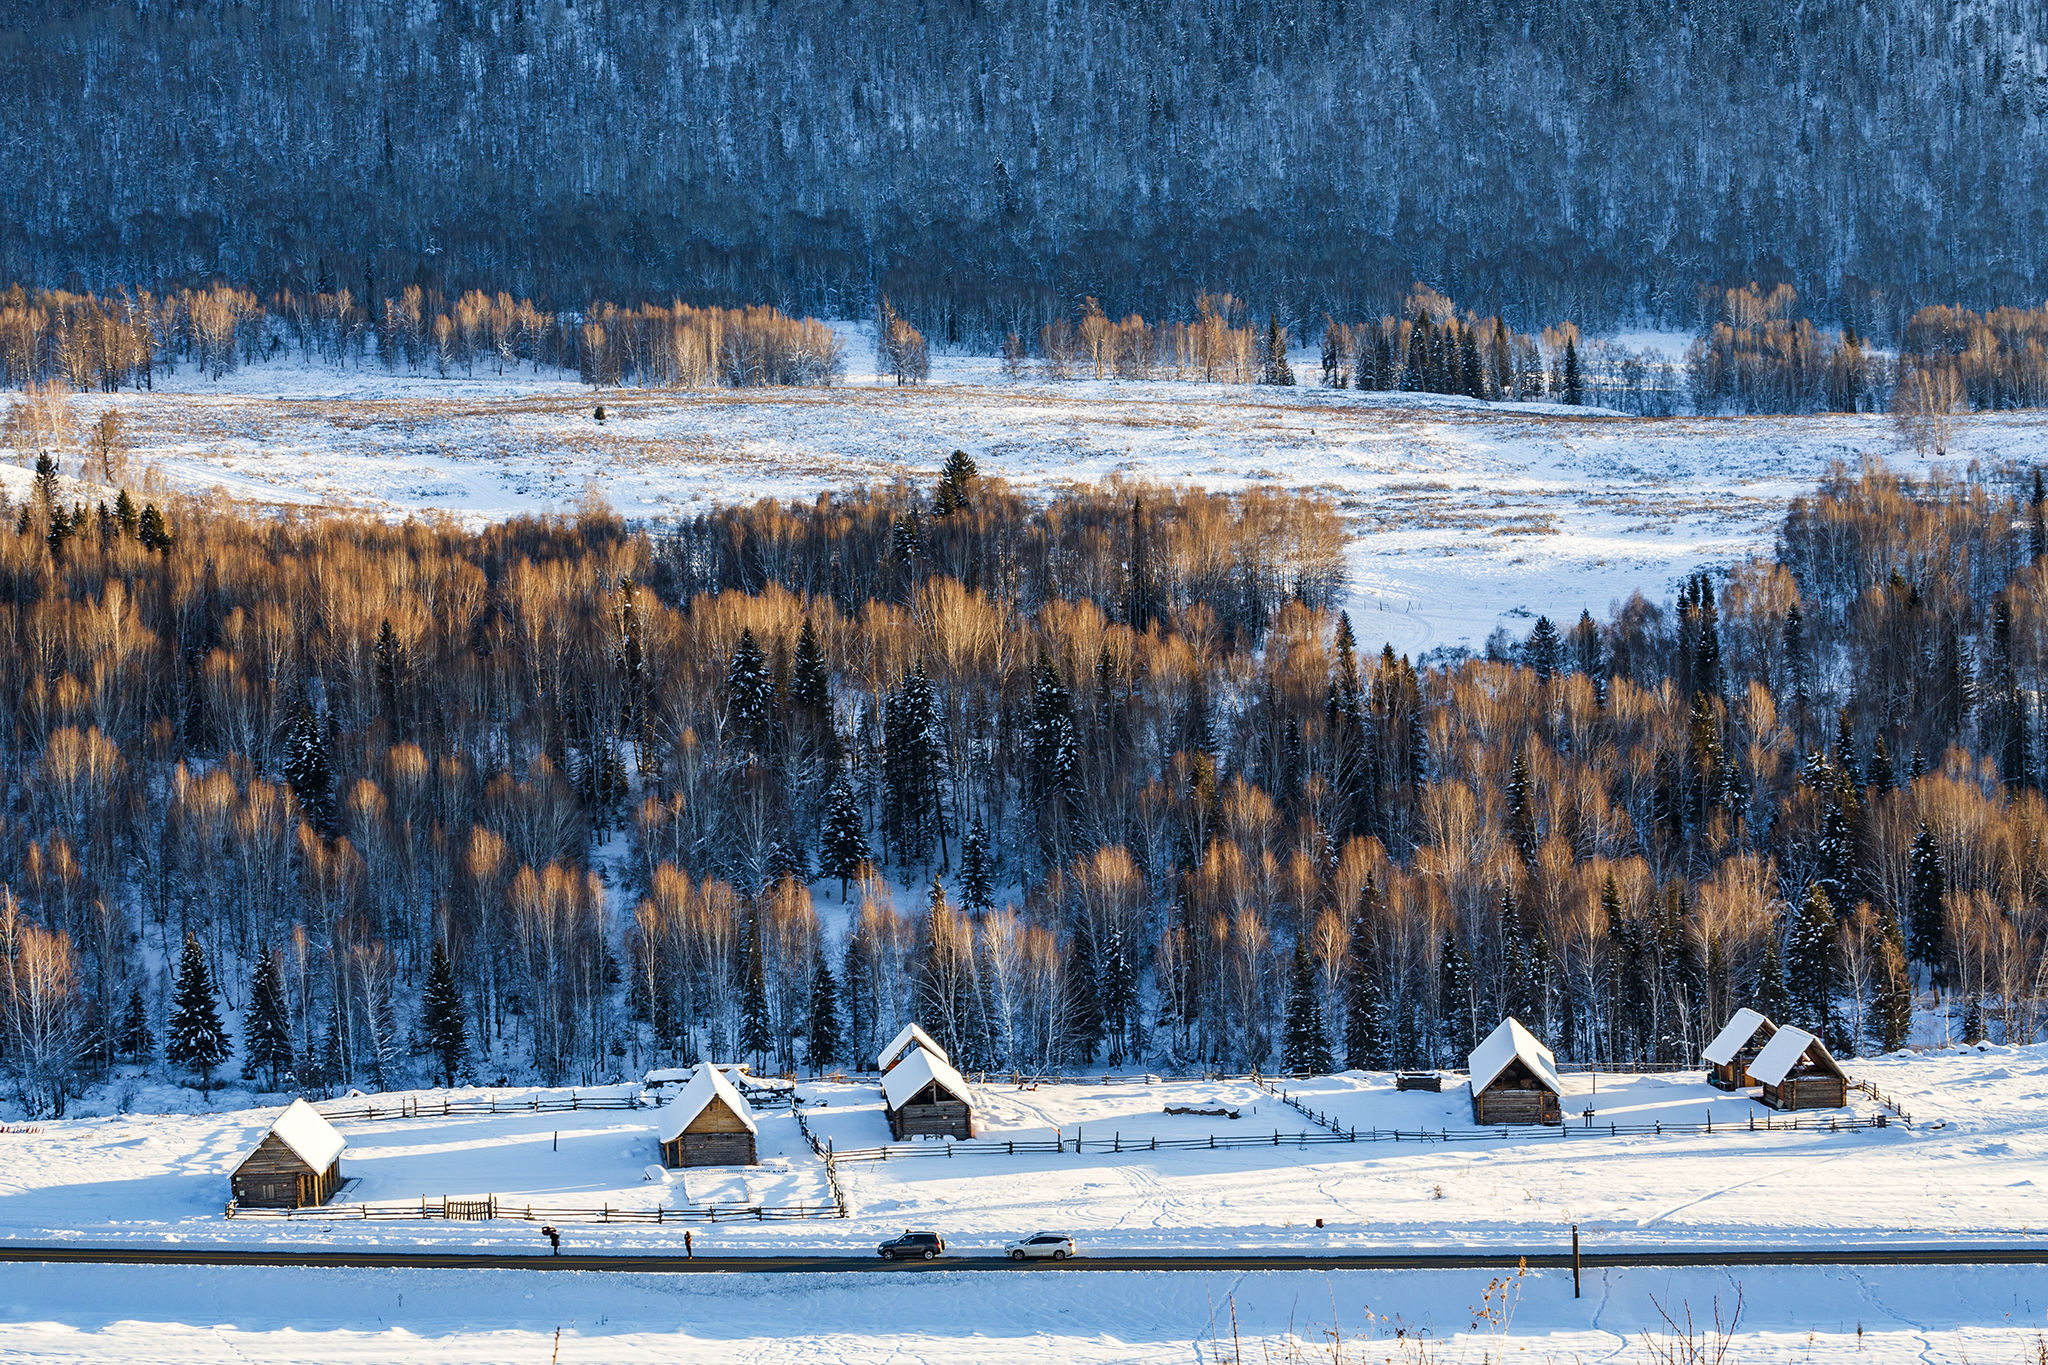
{"type": "Point", "coordinates": [491, 1206]}
{"type": "Point", "coordinates": [1831, 1123]}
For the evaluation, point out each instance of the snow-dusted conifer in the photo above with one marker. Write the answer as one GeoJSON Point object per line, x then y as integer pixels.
{"type": "Point", "coordinates": [195, 1038]}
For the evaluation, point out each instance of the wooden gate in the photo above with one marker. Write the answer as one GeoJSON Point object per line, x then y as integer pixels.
{"type": "Point", "coordinates": [470, 1208]}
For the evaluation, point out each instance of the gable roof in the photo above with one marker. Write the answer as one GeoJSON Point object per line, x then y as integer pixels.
{"type": "Point", "coordinates": [910, 1036]}
{"type": "Point", "coordinates": [1783, 1052]}
{"type": "Point", "coordinates": [1734, 1036]}
{"type": "Point", "coordinates": [708, 1084]}
{"type": "Point", "coordinates": [917, 1070]}
{"type": "Point", "coordinates": [1508, 1043]}
{"type": "Point", "coordinates": [307, 1133]}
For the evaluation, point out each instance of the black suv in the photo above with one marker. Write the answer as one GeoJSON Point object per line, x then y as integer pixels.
{"type": "Point", "coordinates": [913, 1246]}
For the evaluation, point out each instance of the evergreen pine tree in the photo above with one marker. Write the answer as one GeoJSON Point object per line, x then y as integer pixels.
{"type": "Point", "coordinates": [1926, 890]}
{"type": "Point", "coordinates": [843, 842]}
{"type": "Point", "coordinates": [137, 1043]}
{"type": "Point", "coordinates": [1415, 369]}
{"type": "Point", "coordinates": [441, 1018]}
{"type": "Point", "coordinates": [1368, 1045]}
{"type": "Point", "coordinates": [1083, 1000]}
{"type": "Point", "coordinates": [1051, 751]}
{"type": "Point", "coordinates": [906, 538]}
{"type": "Point", "coordinates": [858, 973]}
{"type": "Point", "coordinates": [1521, 811]}
{"type": "Point", "coordinates": [1278, 371]}
{"type": "Point", "coordinates": [810, 678]}
{"type": "Point", "coordinates": [1773, 996]}
{"type": "Point", "coordinates": [309, 768]}
{"type": "Point", "coordinates": [267, 1027]}
{"type": "Point", "coordinates": [153, 531]}
{"type": "Point", "coordinates": [1119, 995]}
{"type": "Point", "coordinates": [195, 1037]}
{"type": "Point", "coordinates": [126, 514]}
{"type": "Point", "coordinates": [1142, 606]}
{"type": "Point", "coordinates": [977, 871]}
{"type": "Point", "coordinates": [1794, 643]}
{"type": "Point", "coordinates": [821, 1031]}
{"type": "Point", "coordinates": [1305, 1048]}
{"type": "Point", "coordinates": [757, 1034]}
{"type": "Point", "coordinates": [956, 480]}
{"type": "Point", "coordinates": [45, 487]}
{"type": "Point", "coordinates": [1840, 863]}
{"type": "Point", "coordinates": [1471, 377]}
{"type": "Point", "coordinates": [390, 669]}
{"type": "Point", "coordinates": [1810, 967]}
{"type": "Point", "coordinates": [1574, 383]}
{"type": "Point", "coordinates": [750, 693]}
{"type": "Point", "coordinates": [1891, 1013]}
{"type": "Point", "coordinates": [1973, 1019]}
{"type": "Point", "coordinates": [1454, 997]}
{"type": "Point", "coordinates": [1543, 652]}
{"type": "Point", "coordinates": [334, 1067]}
{"type": "Point", "coordinates": [912, 769]}
{"type": "Point", "coordinates": [2037, 520]}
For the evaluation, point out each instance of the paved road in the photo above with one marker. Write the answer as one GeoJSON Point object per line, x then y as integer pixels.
{"type": "Point", "coordinates": [806, 1265]}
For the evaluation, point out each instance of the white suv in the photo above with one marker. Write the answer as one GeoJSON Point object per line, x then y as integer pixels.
{"type": "Point", "coordinates": [1053, 1246]}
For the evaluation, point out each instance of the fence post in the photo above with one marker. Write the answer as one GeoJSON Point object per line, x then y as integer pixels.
{"type": "Point", "coordinates": [1575, 1260]}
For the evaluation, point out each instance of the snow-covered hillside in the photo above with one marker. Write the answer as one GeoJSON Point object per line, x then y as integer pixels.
{"type": "Point", "coordinates": [1466, 514]}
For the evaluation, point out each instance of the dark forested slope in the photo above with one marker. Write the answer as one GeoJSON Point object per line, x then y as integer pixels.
{"type": "Point", "coordinates": [989, 163]}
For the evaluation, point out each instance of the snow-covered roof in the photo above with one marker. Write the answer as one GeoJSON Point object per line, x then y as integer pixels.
{"type": "Point", "coordinates": [707, 1084]}
{"type": "Point", "coordinates": [1735, 1036]}
{"type": "Point", "coordinates": [917, 1070]}
{"type": "Point", "coordinates": [307, 1132]}
{"type": "Point", "coordinates": [911, 1036]}
{"type": "Point", "coordinates": [1504, 1045]}
{"type": "Point", "coordinates": [1783, 1052]}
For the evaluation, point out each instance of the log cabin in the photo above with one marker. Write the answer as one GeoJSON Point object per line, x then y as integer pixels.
{"type": "Point", "coordinates": [911, 1036]}
{"type": "Point", "coordinates": [709, 1123]}
{"type": "Point", "coordinates": [926, 1097]}
{"type": "Point", "coordinates": [1797, 1071]}
{"type": "Point", "coordinates": [298, 1162]}
{"type": "Point", "coordinates": [1728, 1057]}
{"type": "Point", "coordinates": [1514, 1078]}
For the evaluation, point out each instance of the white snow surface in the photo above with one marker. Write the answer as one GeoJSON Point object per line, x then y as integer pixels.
{"type": "Point", "coordinates": [1508, 1042]}
{"type": "Point", "coordinates": [1787, 1316]}
{"type": "Point", "coordinates": [708, 1084]}
{"type": "Point", "coordinates": [307, 1132]}
{"type": "Point", "coordinates": [910, 1035]}
{"type": "Point", "coordinates": [1734, 1035]}
{"type": "Point", "coordinates": [919, 1069]}
{"type": "Point", "coordinates": [1464, 515]}
{"type": "Point", "coordinates": [1973, 1167]}
{"type": "Point", "coordinates": [121, 1314]}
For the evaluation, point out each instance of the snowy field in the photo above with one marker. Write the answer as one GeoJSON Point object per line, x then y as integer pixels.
{"type": "Point", "coordinates": [1465, 514]}
{"type": "Point", "coordinates": [1974, 1166]}
{"type": "Point", "coordinates": [119, 1314]}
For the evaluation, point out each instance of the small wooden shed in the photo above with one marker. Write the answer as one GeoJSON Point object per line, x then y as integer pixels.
{"type": "Point", "coordinates": [297, 1163]}
{"type": "Point", "coordinates": [911, 1036]}
{"type": "Point", "coordinates": [1514, 1078]}
{"type": "Point", "coordinates": [1735, 1047]}
{"type": "Point", "coordinates": [926, 1097]}
{"type": "Point", "coordinates": [1797, 1071]}
{"type": "Point", "coordinates": [709, 1123]}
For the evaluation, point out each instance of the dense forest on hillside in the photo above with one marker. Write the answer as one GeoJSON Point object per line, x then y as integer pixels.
{"type": "Point", "coordinates": [1756, 353]}
{"type": "Point", "coordinates": [357, 777]}
{"type": "Point", "coordinates": [988, 166]}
